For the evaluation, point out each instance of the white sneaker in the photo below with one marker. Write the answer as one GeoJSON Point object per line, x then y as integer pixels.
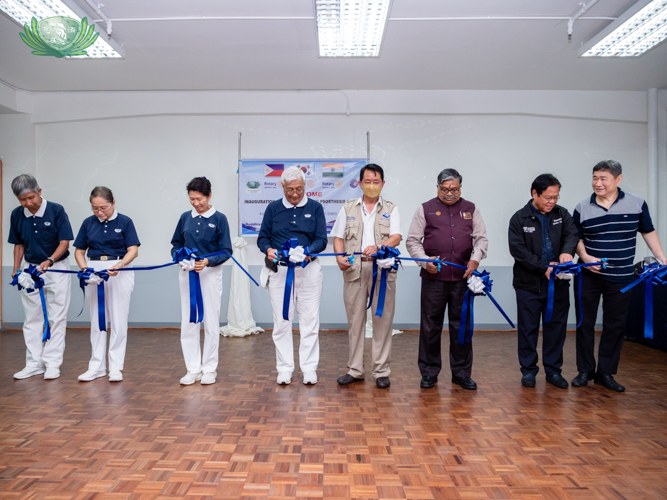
{"type": "Point", "coordinates": [310, 378]}
{"type": "Point", "coordinates": [284, 378]}
{"type": "Point", "coordinates": [208, 378]}
{"type": "Point", "coordinates": [87, 376]}
{"type": "Point", "coordinates": [28, 372]}
{"type": "Point", "coordinates": [51, 373]}
{"type": "Point", "coordinates": [190, 378]}
{"type": "Point", "coordinates": [115, 376]}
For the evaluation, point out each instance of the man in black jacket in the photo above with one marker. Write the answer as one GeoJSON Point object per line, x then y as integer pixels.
{"type": "Point", "coordinates": [541, 233]}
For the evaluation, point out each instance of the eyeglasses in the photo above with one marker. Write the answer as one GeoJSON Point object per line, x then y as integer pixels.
{"type": "Point", "coordinates": [551, 198]}
{"type": "Point", "coordinates": [100, 209]}
{"type": "Point", "coordinates": [449, 191]}
{"type": "Point", "coordinates": [292, 191]}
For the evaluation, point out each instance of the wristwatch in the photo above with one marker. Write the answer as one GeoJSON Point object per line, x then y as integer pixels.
{"type": "Point", "coordinates": [51, 260]}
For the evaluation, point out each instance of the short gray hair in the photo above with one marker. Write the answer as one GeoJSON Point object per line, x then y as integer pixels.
{"type": "Point", "coordinates": [449, 174]}
{"type": "Point", "coordinates": [23, 184]}
{"type": "Point", "coordinates": [292, 174]}
{"type": "Point", "coordinates": [611, 166]}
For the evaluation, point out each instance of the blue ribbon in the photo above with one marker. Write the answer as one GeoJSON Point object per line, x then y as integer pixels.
{"type": "Point", "coordinates": [653, 275]}
{"type": "Point", "coordinates": [384, 252]}
{"type": "Point", "coordinates": [283, 255]}
{"type": "Point", "coordinates": [484, 275]}
{"type": "Point", "coordinates": [35, 274]}
{"type": "Point", "coordinates": [196, 298]}
{"type": "Point", "coordinates": [86, 274]}
{"type": "Point", "coordinates": [570, 268]}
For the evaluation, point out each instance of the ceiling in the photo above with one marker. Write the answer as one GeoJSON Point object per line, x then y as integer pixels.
{"type": "Point", "coordinates": [283, 54]}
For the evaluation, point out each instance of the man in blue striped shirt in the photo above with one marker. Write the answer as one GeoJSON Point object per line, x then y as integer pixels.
{"type": "Point", "coordinates": [608, 223]}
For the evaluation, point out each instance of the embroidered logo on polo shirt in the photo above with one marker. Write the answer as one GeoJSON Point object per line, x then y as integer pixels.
{"type": "Point", "coordinates": [528, 229]}
{"type": "Point", "coordinates": [211, 225]}
{"type": "Point", "coordinates": [118, 230]}
{"type": "Point", "coordinates": [307, 216]}
{"type": "Point", "coordinates": [47, 223]}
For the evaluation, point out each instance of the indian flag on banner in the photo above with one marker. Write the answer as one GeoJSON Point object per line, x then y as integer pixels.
{"type": "Point", "coordinates": [332, 170]}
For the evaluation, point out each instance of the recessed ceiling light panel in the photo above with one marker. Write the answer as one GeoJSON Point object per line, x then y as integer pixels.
{"type": "Point", "coordinates": [22, 12]}
{"type": "Point", "coordinates": [638, 33]}
{"type": "Point", "coordinates": [351, 28]}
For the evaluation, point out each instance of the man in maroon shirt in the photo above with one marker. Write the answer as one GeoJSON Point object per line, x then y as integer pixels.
{"type": "Point", "coordinates": [449, 228]}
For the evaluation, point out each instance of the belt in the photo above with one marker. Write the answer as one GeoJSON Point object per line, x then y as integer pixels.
{"type": "Point", "coordinates": [367, 259]}
{"type": "Point", "coordinates": [107, 257]}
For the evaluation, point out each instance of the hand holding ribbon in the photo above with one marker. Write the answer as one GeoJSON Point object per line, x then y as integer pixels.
{"type": "Point", "coordinates": [653, 275]}
{"type": "Point", "coordinates": [388, 256]}
{"type": "Point", "coordinates": [89, 276]}
{"type": "Point", "coordinates": [185, 257]}
{"type": "Point", "coordinates": [33, 274]}
{"type": "Point", "coordinates": [567, 268]}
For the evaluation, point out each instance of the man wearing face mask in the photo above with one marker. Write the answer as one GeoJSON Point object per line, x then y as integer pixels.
{"type": "Point", "coordinates": [362, 225]}
{"type": "Point", "coordinates": [449, 228]}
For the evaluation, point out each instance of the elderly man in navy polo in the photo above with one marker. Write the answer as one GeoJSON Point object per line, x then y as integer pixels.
{"type": "Point", "coordinates": [452, 229]}
{"type": "Point", "coordinates": [294, 216]}
{"type": "Point", "coordinates": [40, 232]}
{"type": "Point", "coordinates": [608, 223]}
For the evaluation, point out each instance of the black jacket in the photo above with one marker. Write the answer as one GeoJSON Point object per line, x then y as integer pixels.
{"type": "Point", "coordinates": [525, 241]}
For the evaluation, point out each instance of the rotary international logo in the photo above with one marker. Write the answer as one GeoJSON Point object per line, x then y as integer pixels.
{"type": "Point", "coordinates": [59, 36]}
{"type": "Point", "coordinates": [438, 213]}
{"type": "Point", "coordinates": [310, 184]}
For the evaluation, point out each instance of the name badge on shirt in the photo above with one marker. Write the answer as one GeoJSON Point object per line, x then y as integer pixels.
{"type": "Point", "coordinates": [467, 215]}
{"type": "Point", "coordinates": [47, 223]}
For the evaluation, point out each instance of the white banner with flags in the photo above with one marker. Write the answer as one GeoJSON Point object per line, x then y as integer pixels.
{"type": "Point", "coordinates": [331, 182]}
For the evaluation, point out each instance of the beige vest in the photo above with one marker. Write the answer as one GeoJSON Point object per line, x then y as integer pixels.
{"type": "Point", "coordinates": [354, 229]}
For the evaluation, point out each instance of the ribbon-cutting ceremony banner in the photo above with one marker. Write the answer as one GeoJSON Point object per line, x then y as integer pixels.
{"type": "Point", "coordinates": [331, 182]}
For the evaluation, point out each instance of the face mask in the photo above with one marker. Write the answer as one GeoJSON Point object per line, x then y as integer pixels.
{"type": "Point", "coordinates": [371, 190]}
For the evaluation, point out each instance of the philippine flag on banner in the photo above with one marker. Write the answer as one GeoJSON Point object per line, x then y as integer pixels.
{"type": "Point", "coordinates": [333, 170]}
{"type": "Point", "coordinates": [274, 169]}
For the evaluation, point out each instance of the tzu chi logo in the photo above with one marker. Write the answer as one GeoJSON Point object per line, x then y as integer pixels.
{"type": "Point", "coordinates": [59, 36]}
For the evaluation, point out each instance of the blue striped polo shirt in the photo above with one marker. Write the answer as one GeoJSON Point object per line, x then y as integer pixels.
{"type": "Point", "coordinates": [613, 233]}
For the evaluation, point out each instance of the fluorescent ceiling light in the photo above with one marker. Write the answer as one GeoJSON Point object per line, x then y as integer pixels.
{"type": "Point", "coordinates": [22, 12]}
{"type": "Point", "coordinates": [351, 28]}
{"type": "Point", "coordinates": [635, 32]}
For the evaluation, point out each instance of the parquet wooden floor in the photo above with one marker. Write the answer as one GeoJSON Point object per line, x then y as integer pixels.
{"type": "Point", "coordinates": [246, 437]}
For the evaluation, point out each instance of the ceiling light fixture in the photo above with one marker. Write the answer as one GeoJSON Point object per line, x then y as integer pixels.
{"type": "Point", "coordinates": [638, 30]}
{"type": "Point", "coordinates": [351, 28]}
{"type": "Point", "coordinates": [22, 11]}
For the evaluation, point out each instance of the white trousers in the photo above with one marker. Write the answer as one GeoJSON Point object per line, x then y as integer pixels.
{"type": "Point", "coordinates": [211, 289]}
{"type": "Point", "coordinates": [306, 295]}
{"type": "Point", "coordinates": [57, 291]}
{"type": "Point", "coordinates": [117, 294]}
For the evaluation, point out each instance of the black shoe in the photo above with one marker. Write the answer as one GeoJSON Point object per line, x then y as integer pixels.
{"type": "Point", "coordinates": [557, 380]}
{"type": "Point", "coordinates": [428, 382]}
{"type": "Point", "coordinates": [582, 379]}
{"type": "Point", "coordinates": [348, 379]}
{"type": "Point", "coordinates": [528, 380]}
{"type": "Point", "coordinates": [382, 382]}
{"type": "Point", "coordinates": [465, 382]}
{"type": "Point", "coordinates": [609, 382]}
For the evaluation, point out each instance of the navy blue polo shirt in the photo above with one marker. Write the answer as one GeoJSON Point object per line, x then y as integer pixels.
{"type": "Point", "coordinates": [305, 222]}
{"type": "Point", "coordinates": [111, 237]}
{"type": "Point", "coordinates": [547, 247]}
{"type": "Point", "coordinates": [208, 233]}
{"type": "Point", "coordinates": [40, 234]}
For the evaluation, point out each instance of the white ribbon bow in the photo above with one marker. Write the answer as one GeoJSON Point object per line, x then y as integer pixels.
{"type": "Point", "coordinates": [187, 265]}
{"type": "Point", "coordinates": [386, 263]}
{"type": "Point", "coordinates": [475, 284]}
{"type": "Point", "coordinates": [297, 255]}
{"type": "Point", "coordinates": [25, 280]}
{"type": "Point", "coordinates": [564, 276]}
{"type": "Point", "coordinates": [94, 280]}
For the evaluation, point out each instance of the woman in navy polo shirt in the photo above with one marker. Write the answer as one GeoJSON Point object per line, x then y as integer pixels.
{"type": "Point", "coordinates": [40, 232]}
{"type": "Point", "coordinates": [207, 231]}
{"type": "Point", "coordinates": [112, 243]}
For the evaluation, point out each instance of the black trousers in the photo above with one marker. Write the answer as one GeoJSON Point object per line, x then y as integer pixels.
{"type": "Point", "coordinates": [531, 308]}
{"type": "Point", "coordinates": [435, 297]}
{"type": "Point", "coordinates": [615, 307]}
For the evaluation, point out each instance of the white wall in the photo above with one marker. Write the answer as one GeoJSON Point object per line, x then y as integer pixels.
{"type": "Point", "coordinates": [146, 146]}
